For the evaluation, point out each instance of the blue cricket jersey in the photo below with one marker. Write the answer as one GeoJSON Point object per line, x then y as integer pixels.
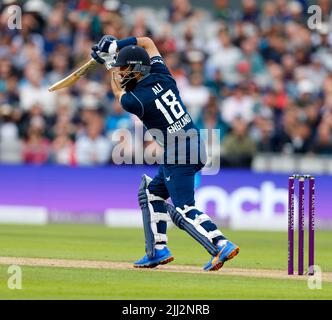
{"type": "Point", "coordinates": [157, 102]}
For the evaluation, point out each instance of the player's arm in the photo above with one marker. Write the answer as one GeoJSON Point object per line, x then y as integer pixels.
{"type": "Point", "coordinates": [116, 88]}
{"type": "Point", "coordinates": [157, 62]}
{"type": "Point", "coordinates": [111, 46]}
{"type": "Point", "coordinates": [149, 46]}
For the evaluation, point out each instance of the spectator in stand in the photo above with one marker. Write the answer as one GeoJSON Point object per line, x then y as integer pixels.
{"type": "Point", "coordinates": [256, 62]}
{"type": "Point", "coordinates": [190, 41]}
{"type": "Point", "coordinates": [295, 134]}
{"type": "Point", "coordinates": [238, 148]}
{"type": "Point", "coordinates": [9, 132]}
{"type": "Point", "coordinates": [239, 104]}
{"type": "Point", "coordinates": [59, 64]}
{"type": "Point", "coordinates": [28, 45]}
{"type": "Point", "coordinates": [63, 130]}
{"type": "Point", "coordinates": [210, 117]}
{"type": "Point", "coordinates": [5, 72]}
{"type": "Point", "coordinates": [306, 93]}
{"type": "Point", "coordinates": [180, 10]}
{"type": "Point", "coordinates": [89, 110]}
{"type": "Point", "coordinates": [296, 11]}
{"type": "Point", "coordinates": [215, 43]}
{"type": "Point", "coordinates": [12, 91]}
{"type": "Point", "coordinates": [213, 128]}
{"type": "Point", "coordinates": [273, 47]}
{"type": "Point", "coordinates": [316, 73]}
{"type": "Point", "coordinates": [195, 60]}
{"type": "Point", "coordinates": [10, 144]}
{"type": "Point", "coordinates": [288, 77]}
{"type": "Point", "coordinates": [323, 143]}
{"type": "Point", "coordinates": [262, 133]}
{"type": "Point", "coordinates": [326, 8]}
{"type": "Point", "coordinates": [93, 148]}
{"type": "Point", "coordinates": [36, 149]}
{"type": "Point", "coordinates": [279, 99]}
{"type": "Point", "coordinates": [225, 59]}
{"type": "Point", "coordinates": [195, 95]}
{"type": "Point", "coordinates": [217, 85]}
{"type": "Point", "coordinates": [27, 117]}
{"type": "Point", "coordinates": [282, 9]}
{"type": "Point", "coordinates": [9, 83]}
{"type": "Point", "coordinates": [119, 128]}
{"type": "Point", "coordinates": [63, 149]}
{"type": "Point", "coordinates": [34, 89]}
{"type": "Point", "coordinates": [63, 119]}
{"type": "Point", "coordinates": [269, 18]}
{"type": "Point", "coordinates": [140, 28]}
{"type": "Point", "coordinates": [118, 119]}
{"type": "Point", "coordinates": [250, 11]}
{"type": "Point", "coordinates": [55, 32]}
{"type": "Point", "coordinates": [172, 60]}
{"type": "Point", "coordinates": [222, 11]}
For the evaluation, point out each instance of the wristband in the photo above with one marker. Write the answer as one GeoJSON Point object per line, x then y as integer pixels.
{"type": "Point", "coordinates": [126, 42]}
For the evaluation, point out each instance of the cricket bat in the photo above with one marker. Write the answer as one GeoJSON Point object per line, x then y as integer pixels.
{"type": "Point", "coordinates": [74, 77]}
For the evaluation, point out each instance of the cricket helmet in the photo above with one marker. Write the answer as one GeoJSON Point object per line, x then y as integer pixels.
{"type": "Point", "coordinates": [136, 60]}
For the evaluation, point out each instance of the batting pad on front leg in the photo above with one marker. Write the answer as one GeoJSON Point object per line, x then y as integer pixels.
{"type": "Point", "coordinates": [194, 228]}
{"type": "Point", "coordinates": [147, 202]}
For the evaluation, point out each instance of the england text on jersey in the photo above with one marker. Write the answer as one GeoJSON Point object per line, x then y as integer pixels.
{"type": "Point", "coordinates": [178, 125]}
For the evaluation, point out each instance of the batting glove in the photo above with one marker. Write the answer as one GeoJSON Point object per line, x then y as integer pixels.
{"type": "Point", "coordinates": [104, 52]}
{"type": "Point", "coordinates": [106, 44]}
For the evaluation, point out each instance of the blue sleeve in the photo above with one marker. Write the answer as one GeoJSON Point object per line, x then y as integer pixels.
{"type": "Point", "coordinates": [158, 65]}
{"type": "Point", "coordinates": [131, 103]}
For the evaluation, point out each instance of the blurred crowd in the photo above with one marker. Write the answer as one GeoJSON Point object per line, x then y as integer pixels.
{"type": "Point", "coordinates": [256, 72]}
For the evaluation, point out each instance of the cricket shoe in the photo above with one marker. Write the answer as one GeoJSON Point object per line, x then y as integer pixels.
{"type": "Point", "coordinates": [227, 251]}
{"type": "Point", "coordinates": [162, 256]}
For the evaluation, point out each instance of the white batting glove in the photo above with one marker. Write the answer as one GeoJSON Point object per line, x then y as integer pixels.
{"type": "Point", "coordinates": [109, 59]}
{"type": "Point", "coordinates": [112, 48]}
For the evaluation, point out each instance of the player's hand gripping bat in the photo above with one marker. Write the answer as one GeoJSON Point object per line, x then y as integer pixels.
{"type": "Point", "coordinates": [74, 77]}
{"type": "Point", "coordinates": [100, 55]}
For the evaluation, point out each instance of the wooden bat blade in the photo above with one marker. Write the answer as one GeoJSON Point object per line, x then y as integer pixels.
{"type": "Point", "coordinates": [73, 77]}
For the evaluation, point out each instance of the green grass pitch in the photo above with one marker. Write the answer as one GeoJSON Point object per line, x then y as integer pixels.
{"type": "Point", "coordinates": [259, 250]}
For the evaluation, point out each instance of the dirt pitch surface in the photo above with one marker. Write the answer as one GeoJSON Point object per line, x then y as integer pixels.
{"type": "Point", "coordinates": [66, 263]}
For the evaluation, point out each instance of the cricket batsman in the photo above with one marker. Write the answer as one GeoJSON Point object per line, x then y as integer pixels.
{"type": "Point", "coordinates": [145, 87]}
